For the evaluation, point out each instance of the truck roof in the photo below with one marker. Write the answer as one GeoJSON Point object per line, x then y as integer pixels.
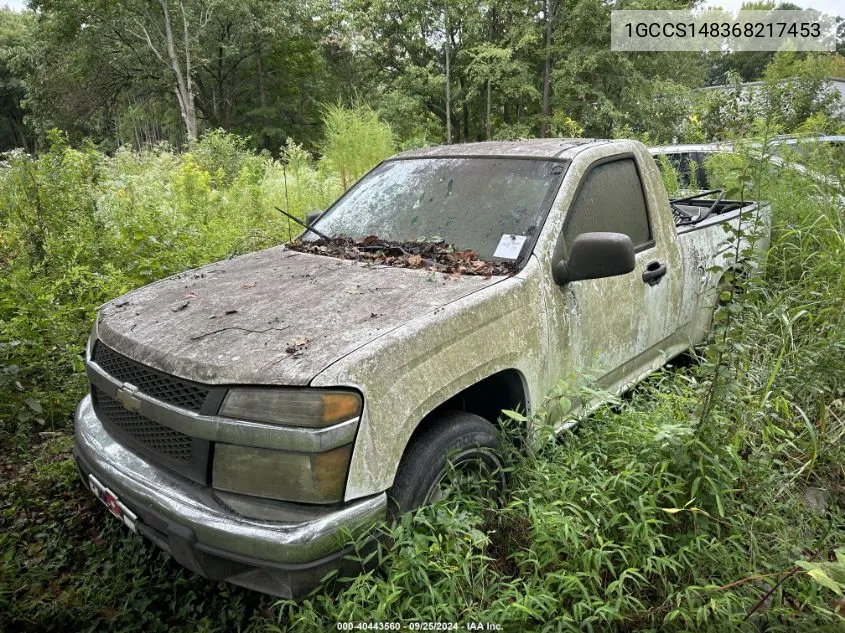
{"type": "Point", "coordinates": [529, 148]}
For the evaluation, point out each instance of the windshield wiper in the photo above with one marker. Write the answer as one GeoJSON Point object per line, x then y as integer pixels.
{"type": "Point", "coordinates": [307, 228]}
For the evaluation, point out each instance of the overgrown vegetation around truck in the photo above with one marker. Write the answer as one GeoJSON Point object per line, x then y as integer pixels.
{"type": "Point", "coordinates": [79, 227]}
{"type": "Point", "coordinates": [710, 498]}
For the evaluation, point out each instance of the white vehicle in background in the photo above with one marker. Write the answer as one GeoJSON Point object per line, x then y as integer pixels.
{"type": "Point", "coordinates": [689, 161]}
{"type": "Point", "coordinates": [801, 147]}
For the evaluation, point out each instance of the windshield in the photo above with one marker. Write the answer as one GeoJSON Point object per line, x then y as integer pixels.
{"type": "Point", "coordinates": [491, 206]}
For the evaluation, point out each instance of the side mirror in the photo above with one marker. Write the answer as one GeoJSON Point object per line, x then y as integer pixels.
{"type": "Point", "coordinates": [312, 216]}
{"type": "Point", "coordinates": [596, 255]}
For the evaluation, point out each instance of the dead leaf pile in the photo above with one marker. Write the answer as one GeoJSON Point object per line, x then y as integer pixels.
{"type": "Point", "coordinates": [434, 256]}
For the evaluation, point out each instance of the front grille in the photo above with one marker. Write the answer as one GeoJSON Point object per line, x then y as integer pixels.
{"type": "Point", "coordinates": [152, 435]}
{"type": "Point", "coordinates": [188, 456]}
{"type": "Point", "coordinates": [175, 391]}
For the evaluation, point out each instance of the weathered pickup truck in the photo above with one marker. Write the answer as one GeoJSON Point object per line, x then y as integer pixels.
{"type": "Point", "coordinates": [252, 415]}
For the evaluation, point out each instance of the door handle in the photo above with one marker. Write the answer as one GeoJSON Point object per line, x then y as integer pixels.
{"type": "Point", "coordinates": [654, 273]}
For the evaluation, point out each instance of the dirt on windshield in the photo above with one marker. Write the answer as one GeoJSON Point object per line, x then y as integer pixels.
{"type": "Point", "coordinates": [433, 256]}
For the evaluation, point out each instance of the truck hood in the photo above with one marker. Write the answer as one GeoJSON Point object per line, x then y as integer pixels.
{"type": "Point", "coordinates": [276, 317]}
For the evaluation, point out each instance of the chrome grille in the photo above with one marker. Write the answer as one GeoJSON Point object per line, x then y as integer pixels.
{"type": "Point", "coordinates": [189, 456]}
{"type": "Point", "coordinates": [152, 435]}
{"type": "Point", "coordinates": [175, 391]}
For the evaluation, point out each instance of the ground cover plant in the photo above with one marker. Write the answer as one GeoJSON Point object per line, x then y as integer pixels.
{"type": "Point", "coordinates": [712, 497]}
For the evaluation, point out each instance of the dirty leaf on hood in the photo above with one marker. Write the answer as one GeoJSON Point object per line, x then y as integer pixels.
{"type": "Point", "coordinates": [298, 347]}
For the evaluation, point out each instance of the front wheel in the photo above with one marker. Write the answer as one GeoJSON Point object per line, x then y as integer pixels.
{"type": "Point", "coordinates": [458, 450]}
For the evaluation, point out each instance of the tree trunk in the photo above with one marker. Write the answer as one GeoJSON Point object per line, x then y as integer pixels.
{"type": "Point", "coordinates": [262, 90]}
{"type": "Point", "coordinates": [20, 132]}
{"type": "Point", "coordinates": [465, 113]}
{"type": "Point", "coordinates": [184, 87]}
{"type": "Point", "coordinates": [448, 89]}
{"type": "Point", "coordinates": [217, 89]}
{"type": "Point", "coordinates": [262, 96]}
{"type": "Point", "coordinates": [549, 10]}
{"type": "Point", "coordinates": [487, 119]}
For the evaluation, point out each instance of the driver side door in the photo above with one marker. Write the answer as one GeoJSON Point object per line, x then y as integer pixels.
{"type": "Point", "coordinates": [600, 326]}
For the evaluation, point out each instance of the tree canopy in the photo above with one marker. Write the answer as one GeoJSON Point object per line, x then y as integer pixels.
{"type": "Point", "coordinates": [145, 71]}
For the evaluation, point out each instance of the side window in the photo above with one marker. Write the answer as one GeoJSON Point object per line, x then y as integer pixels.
{"type": "Point", "coordinates": [610, 199]}
{"type": "Point", "coordinates": [703, 179]}
{"type": "Point", "coordinates": [681, 164]}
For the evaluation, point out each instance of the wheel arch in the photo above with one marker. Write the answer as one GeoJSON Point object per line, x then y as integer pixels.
{"type": "Point", "coordinates": [504, 389]}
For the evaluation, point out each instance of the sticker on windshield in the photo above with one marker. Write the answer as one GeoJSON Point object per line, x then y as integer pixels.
{"type": "Point", "coordinates": [509, 246]}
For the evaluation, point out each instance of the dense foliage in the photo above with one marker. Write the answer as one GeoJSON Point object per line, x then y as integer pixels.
{"type": "Point", "coordinates": [78, 227]}
{"type": "Point", "coordinates": [138, 72]}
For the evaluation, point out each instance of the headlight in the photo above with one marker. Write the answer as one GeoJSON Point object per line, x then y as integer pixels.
{"type": "Point", "coordinates": [263, 472]}
{"type": "Point", "coordinates": [305, 407]}
{"type": "Point", "coordinates": [287, 475]}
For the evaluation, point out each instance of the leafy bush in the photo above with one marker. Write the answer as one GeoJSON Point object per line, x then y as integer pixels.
{"type": "Point", "coordinates": [355, 140]}
{"type": "Point", "coordinates": [78, 227]}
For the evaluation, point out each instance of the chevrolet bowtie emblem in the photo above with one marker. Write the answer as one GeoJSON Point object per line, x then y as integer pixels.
{"type": "Point", "coordinates": [125, 395]}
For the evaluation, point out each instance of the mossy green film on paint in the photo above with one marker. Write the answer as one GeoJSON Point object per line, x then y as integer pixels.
{"type": "Point", "coordinates": [410, 339]}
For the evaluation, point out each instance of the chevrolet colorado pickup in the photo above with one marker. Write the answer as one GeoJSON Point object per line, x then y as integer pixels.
{"type": "Point", "coordinates": [252, 416]}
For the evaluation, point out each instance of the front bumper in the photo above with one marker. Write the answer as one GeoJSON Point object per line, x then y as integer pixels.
{"type": "Point", "coordinates": [184, 519]}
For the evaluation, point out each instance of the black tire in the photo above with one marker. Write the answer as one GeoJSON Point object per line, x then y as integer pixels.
{"type": "Point", "coordinates": [455, 440]}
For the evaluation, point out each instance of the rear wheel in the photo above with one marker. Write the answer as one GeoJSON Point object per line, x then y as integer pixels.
{"type": "Point", "coordinates": [458, 451]}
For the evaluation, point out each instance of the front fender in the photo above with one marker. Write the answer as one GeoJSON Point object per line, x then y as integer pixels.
{"type": "Point", "coordinates": [407, 373]}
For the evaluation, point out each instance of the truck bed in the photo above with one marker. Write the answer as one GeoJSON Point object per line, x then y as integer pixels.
{"type": "Point", "coordinates": [698, 211]}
